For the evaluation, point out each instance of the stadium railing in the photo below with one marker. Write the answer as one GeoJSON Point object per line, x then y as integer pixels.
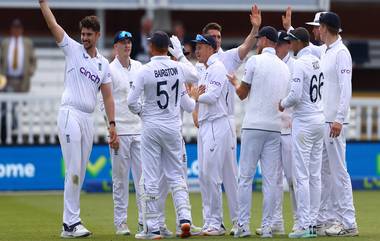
{"type": "Point", "coordinates": [31, 119]}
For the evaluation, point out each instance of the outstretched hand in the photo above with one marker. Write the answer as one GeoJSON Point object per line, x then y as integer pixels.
{"type": "Point", "coordinates": [255, 17]}
{"type": "Point", "coordinates": [233, 80]}
{"type": "Point", "coordinates": [176, 51]}
{"type": "Point", "coordinates": [287, 19]}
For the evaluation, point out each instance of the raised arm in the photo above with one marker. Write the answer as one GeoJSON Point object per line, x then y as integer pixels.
{"type": "Point", "coordinates": [250, 40]}
{"type": "Point", "coordinates": [287, 19]}
{"type": "Point", "coordinates": [52, 24]}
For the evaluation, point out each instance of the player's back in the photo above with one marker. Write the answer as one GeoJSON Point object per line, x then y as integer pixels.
{"type": "Point", "coordinates": [268, 86]}
{"type": "Point", "coordinates": [307, 67]}
{"type": "Point", "coordinates": [163, 81]}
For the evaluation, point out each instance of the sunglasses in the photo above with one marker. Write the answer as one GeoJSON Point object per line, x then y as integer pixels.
{"type": "Point", "coordinates": [124, 34]}
{"type": "Point", "coordinates": [200, 38]}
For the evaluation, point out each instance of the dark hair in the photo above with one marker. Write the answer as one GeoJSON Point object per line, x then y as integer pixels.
{"type": "Point", "coordinates": [213, 26]}
{"type": "Point", "coordinates": [90, 22]}
{"type": "Point", "coordinates": [332, 30]}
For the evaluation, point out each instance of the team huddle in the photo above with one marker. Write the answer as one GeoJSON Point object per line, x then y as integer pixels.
{"type": "Point", "coordinates": [296, 114]}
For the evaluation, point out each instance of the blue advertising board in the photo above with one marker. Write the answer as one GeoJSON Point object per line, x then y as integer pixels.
{"type": "Point", "coordinates": [42, 167]}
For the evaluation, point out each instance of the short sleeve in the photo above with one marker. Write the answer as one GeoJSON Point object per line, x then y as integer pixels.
{"type": "Point", "coordinates": [249, 70]}
{"type": "Point", "coordinates": [107, 74]}
{"type": "Point", "coordinates": [231, 60]}
{"type": "Point", "coordinates": [68, 45]}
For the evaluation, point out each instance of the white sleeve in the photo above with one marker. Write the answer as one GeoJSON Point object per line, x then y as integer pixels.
{"type": "Point", "coordinates": [107, 74]}
{"type": "Point", "coordinates": [231, 60]}
{"type": "Point", "coordinates": [216, 80]}
{"type": "Point", "coordinates": [187, 103]}
{"type": "Point", "coordinates": [135, 92]}
{"type": "Point", "coordinates": [290, 29]}
{"type": "Point", "coordinates": [249, 70]}
{"type": "Point", "coordinates": [189, 72]}
{"type": "Point", "coordinates": [68, 45]}
{"type": "Point", "coordinates": [344, 73]}
{"type": "Point", "coordinates": [316, 50]}
{"type": "Point", "coordinates": [296, 87]}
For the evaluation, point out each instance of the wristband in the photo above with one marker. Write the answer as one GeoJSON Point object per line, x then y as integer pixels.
{"type": "Point", "coordinates": [112, 123]}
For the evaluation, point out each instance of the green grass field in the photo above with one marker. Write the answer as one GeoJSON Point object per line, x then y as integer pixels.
{"type": "Point", "coordinates": [37, 216]}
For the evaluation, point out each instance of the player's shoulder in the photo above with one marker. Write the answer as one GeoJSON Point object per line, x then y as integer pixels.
{"type": "Point", "coordinates": [136, 63]}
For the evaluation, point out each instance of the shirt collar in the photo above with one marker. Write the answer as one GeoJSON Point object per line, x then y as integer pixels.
{"type": "Point", "coordinates": [339, 40]}
{"type": "Point", "coordinates": [304, 51]}
{"type": "Point", "coordinates": [212, 59]}
{"type": "Point", "coordinates": [117, 61]}
{"type": "Point", "coordinates": [269, 50]}
{"type": "Point", "coordinates": [286, 58]}
{"type": "Point", "coordinates": [158, 57]}
{"type": "Point", "coordinates": [86, 55]}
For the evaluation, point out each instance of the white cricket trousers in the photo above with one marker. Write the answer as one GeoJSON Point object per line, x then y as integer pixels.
{"type": "Point", "coordinates": [161, 151]}
{"type": "Point", "coordinates": [215, 147]}
{"type": "Point", "coordinates": [337, 199]}
{"type": "Point", "coordinates": [126, 158]}
{"type": "Point", "coordinates": [164, 187]}
{"type": "Point", "coordinates": [285, 167]}
{"type": "Point", "coordinates": [307, 161]}
{"type": "Point", "coordinates": [76, 136]}
{"type": "Point", "coordinates": [230, 175]}
{"type": "Point", "coordinates": [264, 146]}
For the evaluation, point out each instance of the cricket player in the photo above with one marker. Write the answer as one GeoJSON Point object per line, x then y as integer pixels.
{"type": "Point", "coordinates": [231, 60]}
{"type": "Point", "coordinates": [336, 64]}
{"type": "Point", "coordinates": [215, 144]}
{"type": "Point", "coordinates": [307, 132]}
{"type": "Point", "coordinates": [86, 72]}
{"type": "Point", "coordinates": [127, 157]}
{"type": "Point", "coordinates": [260, 137]}
{"type": "Point", "coordinates": [187, 104]}
{"type": "Point", "coordinates": [160, 83]}
{"type": "Point", "coordinates": [282, 51]}
{"type": "Point", "coordinates": [287, 24]}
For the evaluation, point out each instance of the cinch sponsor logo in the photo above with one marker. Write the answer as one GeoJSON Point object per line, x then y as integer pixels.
{"type": "Point", "coordinates": [17, 170]}
{"type": "Point", "coordinates": [212, 82]}
{"type": "Point", "coordinates": [89, 75]}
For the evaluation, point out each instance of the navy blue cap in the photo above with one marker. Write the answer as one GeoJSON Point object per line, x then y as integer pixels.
{"type": "Point", "coordinates": [282, 37]}
{"type": "Point", "coordinates": [205, 39]}
{"type": "Point", "coordinates": [121, 35]}
{"type": "Point", "coordinates": [300, 34]}
{"type": "Point", "coordinates": [160, 39]}
{"type": "Point", "coordinates": [269, 32]}
{"type": "Point", "coordinates": [330, 19]}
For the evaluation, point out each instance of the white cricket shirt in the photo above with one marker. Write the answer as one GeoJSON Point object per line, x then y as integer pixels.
{"type": "Point", "coordinates": [160, 82]}
{"type": "Point", "coordinates": [269, 77]}
{"type": "Point", "coordinates": [231, 62]}
{"type": "Point", "coordinates": [127, 123]}
{"type": "Point", "coordinates": [213, 103]}
{"type": "Point", "coordinates": [336, 65]}
{"type": "Point", "coordinates": [83, 76]}
{"type": "Point", "coordinates": [286, 115]}
{"type": "Point", "coordinates": [306, 88]}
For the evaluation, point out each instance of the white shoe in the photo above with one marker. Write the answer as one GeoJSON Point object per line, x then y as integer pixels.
{"type": "Point", "coordinates": [242, 231]}
{"type": "Point", "coordinates": [165, 232]}
{"type": "Point", "coordinates": [339, 230]}
{"type": "Point", "coordinates": [213, 231]}
{"type": "Point", "coordinates": [266, 232]}
{"type": "Point", "coordinates": [149, 235]}
{"type": "Point", "coordinates": [276, 230]}
{"type": "Point", "coordinates": [234, 228]}
{"type": "Point", "coordinates": [74, 231]}
{"type": "Point", "coordinates": [122, 229]}
{"type": "Point", "coordinates": [321, 229]}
